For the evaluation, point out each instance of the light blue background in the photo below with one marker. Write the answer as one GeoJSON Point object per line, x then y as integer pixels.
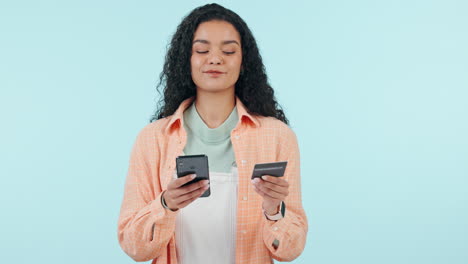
{"type": "Point", "coordinates": [376, 92]}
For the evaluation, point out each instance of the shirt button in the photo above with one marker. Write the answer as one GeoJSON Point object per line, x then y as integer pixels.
{"type": "Point", "coordinates": [244, 161]}
{"type": "Point", "coordinates": [244, 198]}
{"type": "Point", "coordinates": [275, 228]}
{"type": "Point", "coordinates": [237, 137]}
{"type": "Point", "coordinates": [244, 232]}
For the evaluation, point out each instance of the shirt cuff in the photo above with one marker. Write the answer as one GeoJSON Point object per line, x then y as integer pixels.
{"type": "Point", "coordinates": [274, 232]}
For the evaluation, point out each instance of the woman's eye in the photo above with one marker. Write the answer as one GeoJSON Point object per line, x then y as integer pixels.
{"type": "Point", "coordinates": [225, 52]}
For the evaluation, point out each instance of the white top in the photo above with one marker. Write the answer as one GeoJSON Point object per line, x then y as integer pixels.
{"type": "Point", "coordinates": [206, 228]}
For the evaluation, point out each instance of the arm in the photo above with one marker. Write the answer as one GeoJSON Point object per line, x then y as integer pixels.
{"type": "Point", "coordinates": [144, 227]}
{"type": "Point", "coordinates": [286, 238]}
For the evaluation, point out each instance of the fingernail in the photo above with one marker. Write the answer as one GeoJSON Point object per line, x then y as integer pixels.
{"type": "Point", "coordinates": [264, 177]}
{"type": "Point", "coordinates": [193, 176]}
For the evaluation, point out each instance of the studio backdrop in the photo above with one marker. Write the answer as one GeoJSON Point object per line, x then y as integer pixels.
{"type": "Point", "coordinates": [376, 92]}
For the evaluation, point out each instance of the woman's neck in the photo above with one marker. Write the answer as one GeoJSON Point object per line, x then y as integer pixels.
{"type": "Point", "coordinates": [215, 108]}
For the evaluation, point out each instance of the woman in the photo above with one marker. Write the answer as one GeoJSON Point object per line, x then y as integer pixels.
{"type": "Point", "coordinates": [217, 102]}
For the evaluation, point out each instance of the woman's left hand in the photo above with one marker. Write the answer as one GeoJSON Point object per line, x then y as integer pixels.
{"type": "Point", "coordinates": [273, 190]}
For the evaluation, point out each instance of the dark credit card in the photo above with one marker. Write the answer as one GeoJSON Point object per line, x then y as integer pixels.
{"type": "Point", "coordinates": [272, 169]}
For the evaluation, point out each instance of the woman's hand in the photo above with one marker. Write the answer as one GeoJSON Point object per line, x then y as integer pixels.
{"type": "Point", "coordinates": [177, 197]}
{"type": "Point", "coordinates": [274, 190]}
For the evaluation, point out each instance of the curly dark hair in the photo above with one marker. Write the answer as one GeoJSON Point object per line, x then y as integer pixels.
{"type": "Point", "coordinates": [252, 87]}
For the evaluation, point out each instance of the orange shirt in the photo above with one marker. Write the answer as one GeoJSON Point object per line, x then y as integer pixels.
{"type": "Point", "coordinates": [146, 230]}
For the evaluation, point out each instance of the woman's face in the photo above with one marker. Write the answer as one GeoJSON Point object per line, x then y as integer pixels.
{"type": "Point", "coordinates": [216, 56]}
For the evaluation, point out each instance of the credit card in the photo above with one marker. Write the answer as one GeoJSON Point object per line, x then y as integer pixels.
{"type": "Point", "coordinates": [272, 169]}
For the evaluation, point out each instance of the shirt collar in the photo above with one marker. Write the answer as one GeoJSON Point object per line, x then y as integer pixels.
{"type": "Point", "coordinates": [177, 120]}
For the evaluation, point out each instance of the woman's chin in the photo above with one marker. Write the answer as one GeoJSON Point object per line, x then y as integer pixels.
{"type": "Point", "coordinates": [214, 89]}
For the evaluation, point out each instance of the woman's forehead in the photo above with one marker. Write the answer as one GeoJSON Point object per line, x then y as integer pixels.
{"type": "Point", "coordinates": [216, 32]}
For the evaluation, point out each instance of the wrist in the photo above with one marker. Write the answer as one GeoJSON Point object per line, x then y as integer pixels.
{"type": "Point", "coordinates": [281, 210]}
{"type": "Point", "coordinates": [271, 209]}
{"type": "Point", "coordinates": [164, 204]}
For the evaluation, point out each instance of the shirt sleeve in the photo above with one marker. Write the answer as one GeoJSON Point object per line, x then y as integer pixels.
{"type": "Point", "coordinates": [285, 238]}
{"type": "Point", "coordinates": [144, 226]}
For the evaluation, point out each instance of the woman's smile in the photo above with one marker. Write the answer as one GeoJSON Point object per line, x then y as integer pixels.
{"type": "Point", "coordinates": [215, 74]}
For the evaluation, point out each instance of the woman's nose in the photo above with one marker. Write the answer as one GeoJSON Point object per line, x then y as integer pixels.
{"type": "Point", "coordinates": [215, 59]}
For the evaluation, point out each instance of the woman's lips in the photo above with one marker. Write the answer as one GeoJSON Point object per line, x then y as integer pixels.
{"type": "Point", "coordinates": [214, 73]}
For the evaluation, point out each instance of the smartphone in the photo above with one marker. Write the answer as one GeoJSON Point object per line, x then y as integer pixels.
{"type": "Point", "coordinates": [194, 164]}
{"type": "Point", "coordinates": [272, 169]}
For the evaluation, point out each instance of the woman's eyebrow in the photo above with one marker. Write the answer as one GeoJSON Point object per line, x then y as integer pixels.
{"type": "Point", "coordinates": [204, 41]}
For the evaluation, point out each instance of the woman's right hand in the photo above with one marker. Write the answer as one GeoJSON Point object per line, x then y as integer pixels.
{"type": "Point", "coordinates": [177, 197]}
